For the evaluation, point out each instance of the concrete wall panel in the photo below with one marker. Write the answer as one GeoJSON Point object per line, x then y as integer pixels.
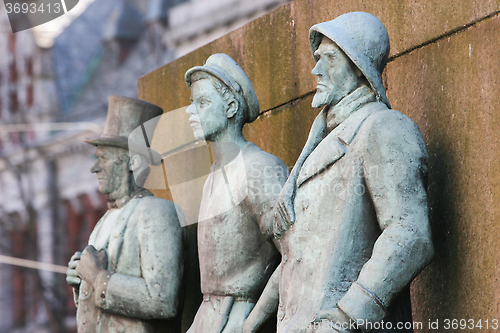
{"type": "Point", "coordinates": [450, 88]}
{"type": "Point", "coordinates": [274, 49]}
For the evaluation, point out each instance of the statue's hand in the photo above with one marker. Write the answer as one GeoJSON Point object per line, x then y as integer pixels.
{"type": "Point", "coordinates": [72, 277]}
{"type": "Point", "coordinates": [91, 264]}
{"type": "Point", "coordinates": [336, 319]}
{"type": "Point", "coordinates": [250, 325]}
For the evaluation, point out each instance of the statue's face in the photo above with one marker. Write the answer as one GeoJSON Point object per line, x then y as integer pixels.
{"type": "Point", "coordinates": [337, 75]}
{"type": "Point", "coordinates": [207, 112]}
{"type": "Point", "coordinates": [111, 171]}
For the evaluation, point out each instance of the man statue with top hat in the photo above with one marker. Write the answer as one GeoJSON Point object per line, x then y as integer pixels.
{"type": "Point", "coordinates": [236, 246]}
{"type": "Point", "coordinates": [352, 218]}
{"type": "Point", "coordinates": [129, 277]}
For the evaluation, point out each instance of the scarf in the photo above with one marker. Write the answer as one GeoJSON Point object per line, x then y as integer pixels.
{"type": "Point", "coordinates": [327, 120]}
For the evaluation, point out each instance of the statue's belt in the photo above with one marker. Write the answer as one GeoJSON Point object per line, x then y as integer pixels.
{"type": "Point", "coordinates": [225, 306]}
{"type": "Point", "coordinates": [207, 297]}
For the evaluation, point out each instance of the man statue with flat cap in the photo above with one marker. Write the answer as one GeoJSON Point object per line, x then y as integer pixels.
{"type": "Point", "coordinates": [353, 216]}
{"type": "Point", "coordinates": [129, 277]}
{"type": "Point", "coordinates": [235, 232]}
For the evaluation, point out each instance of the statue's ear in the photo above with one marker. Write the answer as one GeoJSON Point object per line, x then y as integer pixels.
{"type": "Point", "coordinates": [135, 162]}
{"type": "Point", "coordinates": [232, 108]}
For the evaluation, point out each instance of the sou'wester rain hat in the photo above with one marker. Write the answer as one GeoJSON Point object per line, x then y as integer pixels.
{"type": "Point", "coordinates": [364, 39]}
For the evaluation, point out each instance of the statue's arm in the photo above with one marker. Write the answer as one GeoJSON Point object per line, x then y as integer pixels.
{"type": "Point", "coordinates": [266, 178]}
{"type": "Point", "coordinates": [272, 178]}
{"type": "Point", "coordinates": [395, 166]}
{"type": "Point", "coordinates": [266, 306]}
{"type": "Point", "coordinates": [156, 293]}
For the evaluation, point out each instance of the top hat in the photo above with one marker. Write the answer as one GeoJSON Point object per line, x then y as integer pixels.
{"type": "Point", "coordinates": [233, 76]}
{"type": "Point", "coordinates": [364, 39]}
{"type": "Point", "coordinates": [127, 123]}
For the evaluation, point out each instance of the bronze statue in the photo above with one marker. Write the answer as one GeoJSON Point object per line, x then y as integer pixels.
{"type": "Point", "coordinates": [129, 277]}
{"type": "Point", "coordinates": [235, 231]}
{"type": "Point", "coordinates": [352, 218]}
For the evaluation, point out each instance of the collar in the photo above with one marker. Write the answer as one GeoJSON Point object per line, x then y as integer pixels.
{"type": "Point", "coordinates": [216, 165]}
{"type": "Point", "coordinates": [139, 193]}
{"type": "Point", "coordinates": [348, 105]}
{"type": "Point", "coordinates": [348, 129]}
{"type": "Point", "coordinates": [334, 146]}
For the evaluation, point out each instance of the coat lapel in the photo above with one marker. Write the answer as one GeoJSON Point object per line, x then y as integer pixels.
{"type": "Point", "coordinates": [118, 233]}
{"type": "Point", "coordinates": [329, 151]}
{"type": "Point", "coordinates": [334, 146]}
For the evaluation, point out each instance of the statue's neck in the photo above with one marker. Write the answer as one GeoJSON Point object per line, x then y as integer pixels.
{"type": "Point", "coordinates": [227, 145]}
{"type": "Point", "coordinates": [348, 105]}
{"type": "Point", "coordinates": [127, 189]}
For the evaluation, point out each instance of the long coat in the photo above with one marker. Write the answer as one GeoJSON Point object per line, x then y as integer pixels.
{"type": "Point", "coordinates": [145, 252]}
{"type": "Point", "coordinates": [361, 232]}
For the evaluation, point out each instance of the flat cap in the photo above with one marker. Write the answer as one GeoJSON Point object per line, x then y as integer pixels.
{"type": "Point", "coordinates": [224, 68]}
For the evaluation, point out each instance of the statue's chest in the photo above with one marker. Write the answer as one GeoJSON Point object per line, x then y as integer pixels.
{"type": "Point", "coordinates": [105, 229]}
{"type": "Point", "coordinates": [223, 194]}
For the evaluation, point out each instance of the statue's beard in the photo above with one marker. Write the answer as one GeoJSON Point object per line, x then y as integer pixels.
{"type": "Point", "coordinates": [121, 189]}
{"type": "Point", "coordinates": [321, 98]}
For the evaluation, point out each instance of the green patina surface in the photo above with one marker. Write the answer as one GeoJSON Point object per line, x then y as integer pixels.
{"type": "Point", "coordinates": [449, 87]}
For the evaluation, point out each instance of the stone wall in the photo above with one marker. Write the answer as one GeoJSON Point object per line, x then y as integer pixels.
{"type": "Point", "coordinates": [444, 73]}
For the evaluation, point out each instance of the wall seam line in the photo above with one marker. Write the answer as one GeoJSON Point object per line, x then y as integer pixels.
{"type": "Point", "coordinates": [290, 102]}
{"type": "Point", "coordinates": [398, 55]}
{"type": "Point", "coordinates": [445, 35]}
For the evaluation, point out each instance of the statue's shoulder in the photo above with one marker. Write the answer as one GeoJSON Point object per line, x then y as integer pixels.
{"type": "Point", "coordinates": [391, 128]}
{"type": "Point", "coordinates": [258, 158]}
{"type": "Point", "coordinates": [152, 204]}
{"type": "Point", "coordinates": [151, 199]}
{"type": "Point", "coordinates": [391, 121]}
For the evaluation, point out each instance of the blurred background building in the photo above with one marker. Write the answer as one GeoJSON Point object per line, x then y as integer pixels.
{"type": "Point", "coordinates": [53, 94]}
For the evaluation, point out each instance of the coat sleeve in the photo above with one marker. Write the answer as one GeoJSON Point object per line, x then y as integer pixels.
{"type": "Point", "coordinates": [156, 293]}
{"type": "Point", "coordinates": [394, 165]}
{"type": "Point", "coordinates": [266, 176]}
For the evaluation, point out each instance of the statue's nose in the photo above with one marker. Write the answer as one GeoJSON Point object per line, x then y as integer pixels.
{"type": "Point", "coordinates": [96, 167]}
{"type": "Point", "coordinates": [316, 70]}
{"type": "Point", "coordinates": [191, 109]}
